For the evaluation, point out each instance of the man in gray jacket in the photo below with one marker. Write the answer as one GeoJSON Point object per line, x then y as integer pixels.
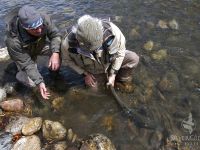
{"type": "Point", "coordinates": [30, 34]}
{"type": "Point", "coordinates": [95, 46]}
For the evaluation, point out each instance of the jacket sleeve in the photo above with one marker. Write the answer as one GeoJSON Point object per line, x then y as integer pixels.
{"type": "Point", "coordinates": [67, 59]}
{"type": "Point", "coordinates": [23, 60]}
{"type": "Point", "coordinates": [53, 35]}
{"type": "Point", "coordinates": [117, 49]}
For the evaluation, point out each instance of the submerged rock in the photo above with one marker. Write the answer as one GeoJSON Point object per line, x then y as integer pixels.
{"type": "Point", "coordinates": [173, 24]}
{"type": "Point", "coordinates": [5, 141]}
{"type": "Point", "coordinates": [15, 105]}
{"type": "Point", "coordinates": [60, 146]}
{"type": "Point", "coordinates": [97, 142]}
{"type": "Point", "coordinates": [159, 55]}
{"type": "Point", "coordinates": [28, 143]}
{"type": "Point", "coordinates": [4, 54]}
{"type": "Point", "coordinates": [32, 126]}
{"type": "Point", "coordinates": [57, 103]}
{"type": "Point", "coordinates": [53, 130]}
{"type": "Point", "coordinates": [16, 123]}
{"type": "Point", "coordinates": [162, 24]}
{"type": "Point", "coordinates": [3, 94]}
{"type": "Point", "coordinates": [149, 45]}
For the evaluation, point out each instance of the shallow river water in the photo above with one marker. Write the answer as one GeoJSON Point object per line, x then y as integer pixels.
{"type": "Point", "coordinates": [166, 81]}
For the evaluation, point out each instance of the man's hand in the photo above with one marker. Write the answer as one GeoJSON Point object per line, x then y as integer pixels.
{"type": "Point", "coordinates": [111, 80]}
{"type": "Point", "coordinates": [90, 80]}
{"type": "Point", "coordinates": [54, 62]}
{"type": "Point", "coordinates": [43, 91]}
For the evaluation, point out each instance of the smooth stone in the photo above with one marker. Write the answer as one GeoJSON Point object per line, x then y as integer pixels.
{"type": "Point", "coordinates": [32, 126]}
{"type": "Point", "coordinates": [14, 105]}
{"type": "Point", "coordinates": [3, 94]}
{"type": "Point", "coordinates": [16, 124]}
{"type": "Point", "coordinates": [5, 141]}
{"type": "Point", "coordinates": [134, 34]}
{"type": "Point", "coordinates": [162, 24]}
{"type": "Point", "coordinates": [159, 55]}
{"type": "Point", "coordinates": [53, 130]}
{"type": "Point", "coordinates": [148, 45]}
{"type": "Point", "coordinates": [28, 143]}
{"type": "Point", "coordinates": [97, 141]}
{"type": "Point", "coordinates": [60, 146]}
{"type": "Point", "coordinates": [173, 24]}
{"type": "Point", "coordinates": [4, 54]}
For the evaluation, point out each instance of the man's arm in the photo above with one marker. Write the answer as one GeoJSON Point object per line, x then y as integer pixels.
{"type": "Point", "coordinates": [23, 60]}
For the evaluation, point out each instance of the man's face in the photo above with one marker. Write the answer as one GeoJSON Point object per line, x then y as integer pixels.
{"type": "Point", "coordinates": [37, 31]}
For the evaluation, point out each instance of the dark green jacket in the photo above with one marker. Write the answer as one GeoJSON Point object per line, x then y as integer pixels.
{"type": "Point", "coordinates": [24, 48]}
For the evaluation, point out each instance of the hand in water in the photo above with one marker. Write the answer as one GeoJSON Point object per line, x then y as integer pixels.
{"type": "Point", "coordinates": [43, 91]}
{"type": "Point", "coordinates": [90, 80]}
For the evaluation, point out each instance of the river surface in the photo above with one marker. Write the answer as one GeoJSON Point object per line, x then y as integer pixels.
{"type": "Point", "coordinates": [167, 80]}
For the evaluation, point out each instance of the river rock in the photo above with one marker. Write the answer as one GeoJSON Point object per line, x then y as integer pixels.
{"type": "Point", "coordinates": [60, 146]}
{"type": "Point", "coordinates": [97, 142]}
{"type": "Point", "coordinates": [58, 102]}
{"type": "Point", "coordinates": [5, 141]}
{"type": "Point", "coordinates": [173, 24]}
{"type": "Point", "coordinates": [169, 82]}
{"type": "Point", "coordinates": [16, 123]}
{"type": "Point", "coordinates": [148, 46]}
{"type": "Point", "coordinates": [4, 54]}
{"type": "Point", "coordinates": [53, 130]}
{"type": "Point", "coordinates": [32, 126]}
{"type": "Point", "coordinates": [28, 143]}
{"type": "Point", "coordinates": [134, 34]}
{"type": "Point", "coordinates": [159, 55]}
{"type": "Point", "coordinates": [3, 94]}
{"type": "Point", "coordinates": [15, 105]}
{"type": "Point", "coordinates": [162, 24]}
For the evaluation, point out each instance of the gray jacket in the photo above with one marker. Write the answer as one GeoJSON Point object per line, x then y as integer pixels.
{"type": "Point", "coordinates": [24, 48]}
{"type": "Point", "coordinates": [110, 55]}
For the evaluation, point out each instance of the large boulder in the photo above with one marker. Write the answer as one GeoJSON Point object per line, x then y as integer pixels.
{"type": "Point", "coordinates": [32, 126]}
{"type": "Point", "coordinates": [14, 105]}
{"type": "Point", "coordinates": [28, 143]}
{"type": "Point", "coordinates": [53, 130]}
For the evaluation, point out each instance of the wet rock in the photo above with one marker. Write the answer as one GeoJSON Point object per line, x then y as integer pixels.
{"type": "Point", "coordinates": [60, 146]}
{"type": "Point", "coordinates": [173, 24]}
{"type": "Point", "coordinates": [4, 54]}
{"type": "Point", "coordinates": [57, 103]}
{"type": "Point", "coordinates": [16, 123]}
{"type": "Point", "coordinates": [3, 94]}
{"type": "Point", "coordinates": [107, 122]}
{"type": "Point", "coordinates": [10, 87]}
{"type": "Point", "coordinates": [14, 105]}
{"type": "Point", "coordinates": [169, 82]}
{"type": "Point", "coordinates": [5, 141]}
{"type": "Point", "coordinates": [28, 143]}
{"type": "Point", "coordinates": [118, 18]}
{"type": "Point", "coordinates": [134, 34]}
{"type": "Point", "coordinates": [159, 55]}
{"type": "Point", "coordinates": [53, 130]}
{"type": "Point", "coordinates": [162, 24]}
{"type": "Point", "coordinates": [148, 46]}
{"type": "Point", "coordinates": [150, 25]}
{"type": "Point", "coordinates": [97, 142]}
{"type": "Point", "coordinates": [32, 126]}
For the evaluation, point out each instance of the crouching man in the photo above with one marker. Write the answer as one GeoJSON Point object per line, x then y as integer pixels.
{"type": "Point", "coordinates": [30, 34]}
{"type": "Point", "coordinates": [95, 46]}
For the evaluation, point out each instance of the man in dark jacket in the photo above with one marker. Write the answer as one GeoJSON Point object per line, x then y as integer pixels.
{"type": "Point", "coordinates": [30, 34]}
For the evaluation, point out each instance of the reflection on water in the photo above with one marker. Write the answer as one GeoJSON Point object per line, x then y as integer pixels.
{"type": "Point", "coordinates": [167, 85]}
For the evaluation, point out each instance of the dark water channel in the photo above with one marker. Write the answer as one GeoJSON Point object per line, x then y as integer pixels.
{"type": "Point", "coordinates": [167, 80]}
